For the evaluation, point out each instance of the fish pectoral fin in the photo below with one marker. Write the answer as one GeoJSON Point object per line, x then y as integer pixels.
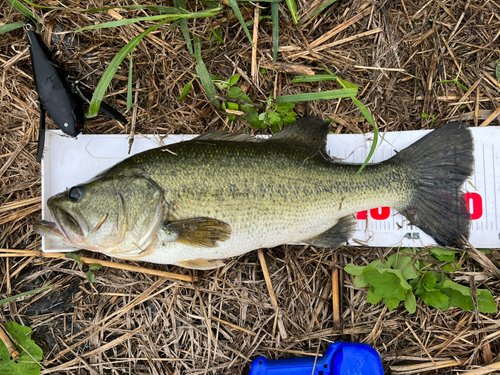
{"type": "Point", "coordinates": [198, 232]}
{"type": "Point", "coordinates": [201, 264]}
{"type": "Point", "coordinates": [336, 235]}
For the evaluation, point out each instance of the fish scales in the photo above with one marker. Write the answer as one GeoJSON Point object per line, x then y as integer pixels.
{"type": "Point", "coordinates": [219, 196]}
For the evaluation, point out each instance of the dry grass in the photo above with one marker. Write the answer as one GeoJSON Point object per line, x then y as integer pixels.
{"type": "Point", "coordinates": [279, 303]}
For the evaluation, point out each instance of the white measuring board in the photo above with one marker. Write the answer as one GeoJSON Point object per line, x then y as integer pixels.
{"type": "Point", "coordinates": [68, 162]}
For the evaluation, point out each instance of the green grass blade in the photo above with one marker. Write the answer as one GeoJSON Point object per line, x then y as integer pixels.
{"type": "Point", "coordinates": [10, 26]}
{"type": "Point", "coordinates": [346, 84]}
{"type": "Point", "coordinates": [42, 6]}
{"type": "Point", "coordinates": [367, 115]}
{"type": "Point", "coordinates": [325, 95]}
{"type": "Point", "coordinates": [237, 12]}
{"type": "Point", "coordinates": [319, 10]}
{"type": "Point", "coordinates": [156, 8]}
{"type": "Point", "coordinates": [216, 35]}
{"type": "Point", "coordinates": [292, 6]}
{"type": "Point", "coordinates": [24, 10]}
{"type": "Point", "coordinates": [129, 21]}
{"type": "Point", "coordinates": [129, 88]}
{"type": "Point", "coordinates": [113, 67]}
{"type": "Point", "coordinates": [28, 293]}
{"type": "Point", "coordinates": [180, 4]}
{"type": "Point", "coordinates": [185, 90]}
{"type": "Point", "coordinates": [169, 17]}
{"type": "Point", "coordinates": [201, 69]}
{"type": "Point", "coordinates": [187, 37]}
{"type": "Point", "coordinates": [316, 78]}
{"type": "Point", "coordinates": [275, 10]}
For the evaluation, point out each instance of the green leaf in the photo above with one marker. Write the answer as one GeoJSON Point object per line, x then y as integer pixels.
{"type": "Point", "coordinates": [404, 263]}
{"type": "Point", "coordinates": [275, 10]}
{"type": "Point", "coordinates": [184, 26]}
{"type": "Point", "coordinates": [129, 86]}
{"type": "Point", "coordinates": [459, 295]}
{"type": "Point", "coordinates": [165, 17]}
{"type": "Point", "coordinates": [443, 255]}
{"type": "Point", "coordinates": [451, 267]}
{"type": "Point", "coordinates": [387, 283]}
{"type": "Point", "coordinates": [317, 78]}
{"type": "Point", "coordinates": [275, 127]}
{"type": "Point", "coordinates": [24, 10]}
{"type": "Point", "coordinates": [237, 12]}
{"type": "Point", "coordinates": [353, 269]}
{"type": "Point", "coordinates": [410, 302]}
{"type": "Point", "coordinates": [497, 71]}
{"type": "Point", "coordinates": [285, 107]}
{"type": "Point", "coordinates": [380, 265]}
{"type": "Point", "coordinates": [252, 116]}
{"type": "Point", "coordinates": [319, 10]}
{"type": "Point", "coordinates": [274, 118]}
{"type": "Point", "coordinates": [485, 302]}
{"type": "Point", "coordinates": [74, 257]}
{"type": "Point", "coordinates": [29, 352]}
{"type": "Point", "coordinates": [201, 69]}
{"type": "Point", "coordinates": [216, 34]}
{"type": "Point", "coordinates": [433, 298]}
{"type": "Point", "coordinates": [90, 276]}
{"type": "Point", "coordinates": [366, 113]}
{"type": "Point", "coordinates": [360, 281]}
{"type": "Point", "coordinates": [185, 90]}
{"type": "Point", "coordinates": [292, 7]}
{"type": "Point", "coordinates": [345, 84]}
{"type": "Point", "coordinates": [113, 67]}
{"type": "Point", "coordinates": [95, 267]}
{"type": "Point", "coordinates": [10, 26]}
{"type": "Point", "coordinates": [373, 298]}
{"type": "Point", "coordinates": [128, 21]}
{"type": "Point", "coordinates": [428, 281]}
{"type": "Point", "coordinates": [233, 80]}
{"type": "Point", "coordinates": [324, 95]}
{"type": "Point", "coordinates": [28, 293]}
{"type": "Point", "coordinates": [392, 303]}
{"type": "Point", "coordinates": [156, 8]}
{"type": "Point", "coordinates": [238, 94]}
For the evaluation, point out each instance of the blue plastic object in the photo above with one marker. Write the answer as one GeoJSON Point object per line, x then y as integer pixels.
{"type": "Point", "coordinates": [341, 358]}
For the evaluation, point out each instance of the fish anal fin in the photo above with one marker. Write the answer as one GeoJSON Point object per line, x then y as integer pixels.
{"type": "Point", "coordinates": [198, 232]}
{"type": "Point", "coordinates": [308, 131]}
{"type": "Point", "coordinates": [337, 235]}
{"type": "Point", "coordinates": [201, 264]}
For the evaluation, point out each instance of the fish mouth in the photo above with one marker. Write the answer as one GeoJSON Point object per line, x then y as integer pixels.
{"type": "Point", "coordinates": [65, 227]}
{"type": "Point", "coordinates": [49, 229]}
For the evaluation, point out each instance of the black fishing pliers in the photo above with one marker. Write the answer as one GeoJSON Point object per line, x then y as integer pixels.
{"type": "Point", "coordinates": [58, 95]}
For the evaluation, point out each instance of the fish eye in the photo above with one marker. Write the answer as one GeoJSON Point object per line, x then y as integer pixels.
{"type": "Point", "coordinates": [76, 193]}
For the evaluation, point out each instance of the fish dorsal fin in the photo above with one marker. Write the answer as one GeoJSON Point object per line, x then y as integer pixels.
{"type": "Point", "coordinates": [308, 131]}
{"type": "Point", "coordinates": [224, 136]}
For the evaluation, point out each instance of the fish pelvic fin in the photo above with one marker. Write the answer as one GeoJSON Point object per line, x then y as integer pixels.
{"type": "Point", "coordinates": [438, 165]}
{"type": "Point", "coordinates": [201, 264]}
{"type": "Point", "coordinates": [198, 232]}
{"type": "Point", "coordinates": [337, 235]}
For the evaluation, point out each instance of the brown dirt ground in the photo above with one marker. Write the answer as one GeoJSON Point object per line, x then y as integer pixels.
{"type": "Point", "coordinates": [129, 322]}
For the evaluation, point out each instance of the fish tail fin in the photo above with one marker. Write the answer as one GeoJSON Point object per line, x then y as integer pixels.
{"type": "Point", "coordinates": [438, 165]}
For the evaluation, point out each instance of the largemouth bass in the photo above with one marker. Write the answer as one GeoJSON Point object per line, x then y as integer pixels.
{"type": "Point", "coordinates": [221, 195]}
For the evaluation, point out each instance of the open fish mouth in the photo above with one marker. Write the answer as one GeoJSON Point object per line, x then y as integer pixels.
{"type": "Point", "coordinates": [65, 228]}
{"type": "Point", "coordinates": [49, 229]}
